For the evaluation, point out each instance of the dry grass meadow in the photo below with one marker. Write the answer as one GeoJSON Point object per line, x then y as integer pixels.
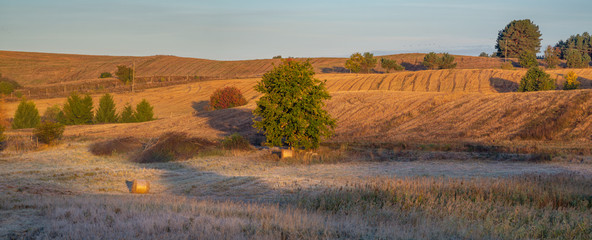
{"type": "Point", "coordinates": [427, 154]}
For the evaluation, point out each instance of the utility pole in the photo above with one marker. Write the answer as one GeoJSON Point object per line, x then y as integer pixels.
{"type": "Point", "coordinates": [133, 74]}
{"type": "Point", "coordinates": [506, 54]}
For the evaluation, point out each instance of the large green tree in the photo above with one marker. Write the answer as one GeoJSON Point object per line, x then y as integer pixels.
{"type": "Point", "coordinates": [518, 37]}
{"type": "Point", "coordinates": [26, 115]}
{"type": "Point", "coordinates": [106, 112]}
{"type": "Point", "coordinates": [291, 108]}
{"type": "Point", "coordinates": [77, 110]}
{"type": "Point", "coordinates": [124, 74]}
{"type": "Point", "coordinates": [576, 59]}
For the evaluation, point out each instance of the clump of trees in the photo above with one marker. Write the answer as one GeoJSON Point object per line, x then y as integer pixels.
{"type": "Point", "coordinates": [483, 54]}
{"type": "Point", "coordinates": [582, 43]}
{"type": "Point", "coordinates": [125, 74]}
{"type": "Point", "coordinates": [227, 97]}
{"type": "Point", "coordinates": [26, 115]}
{"type": "Point", "coordinates": [142, 113]}
{"type": "Point", "coordinates": [390, 64]}
{"type": "Point", "coordinates": [77, 110]}
{"type": "Point", "coordinates": [571, 81]}
{"type": "Point", "coordinates": [361, 62]}
{"type": "Point", "coordinates": [576, 59]}
{"type": "Point", "coordinates": [536, 80]}
{"type": "Point", "coordinates": [432, 61]}
{"type": "Point", "coordinates": [291, 108]}
{"type": "Point", "coordinates": [517, 38]}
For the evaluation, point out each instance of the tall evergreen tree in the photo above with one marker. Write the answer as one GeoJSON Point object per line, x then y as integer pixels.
{"type": "Point", "coordinates": [26, 115]}
{"type": "Point", "coordinates": [144, 112]}
{"type": "Point", "coordinates": [106, 111]}
{"type": "Point", "coordinates": [518, 37]}
{"type": "Point", "coordinates": [127, 114]}
{"type": "Point", "coordinates": [77, 110]}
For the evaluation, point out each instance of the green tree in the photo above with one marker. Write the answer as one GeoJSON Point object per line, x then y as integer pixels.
{"type": "Point", "coordinates": [26, 115]}
{"type": "Point", "coordinates": [144, 112]}
{"type": "Point", "coordinates": [536, 80]}
{"type": "Point", "coordinates": [528, 60]}
{"type": "Point", "coordinates": [77, 110]}
{"type": "Point", "coordinates": [369, 62]}
{"type": "Point", "coordinates": [576, 59]}
{"type": "Point", "coordinates": [483, 54]}
{"type": "Point", "coordinates": [552, 57]}
{"type": "Point", "coordinates": [291, 108]}
{"type": "Point", "coordinates": [106, 111]}
{"type": "Point", "coordinates": [517, 37]}
{"type": "Point", "coordinates": [446, 61]}
{"type": "Point", "coordinates": [127, 114]}
{"type": "Point", "coordinates": [354, 63]}
{"type": "Point", "coordinates": [571, 81]}
{"type": "Point", "coordinates": [124, 74]}
{"type": "Point", "coordinates": [431, 60]}
{"type": "Point", "coordinates": [6, 88]}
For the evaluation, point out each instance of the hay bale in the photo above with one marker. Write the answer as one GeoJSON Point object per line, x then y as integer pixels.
{"type": "Point", "coordinates": [287, 153]}
{"type": "Point", "coordinates": [140, 186]}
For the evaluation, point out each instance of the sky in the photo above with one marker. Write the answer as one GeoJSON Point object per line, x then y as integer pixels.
{"type": "Point", "coordinates": [258, 29]}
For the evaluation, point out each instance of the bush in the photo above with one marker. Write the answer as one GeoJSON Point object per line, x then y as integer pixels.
{"type": "Point", "coordinates": [118, 145]}
{"type": "Point", "coordinates": [106, 111]}
{"type": "Point", "coordinates": [26, 115]}
{"type": "Point", "coordinates": [7, 85]}
{"type": "Point", "coordinates": [388, 64]}
{"type": "Point", "coordinates": [536, 80]}
{"type": "Point", "coordinates": [358, 62]}
{"type": "Point", "coordinates": [124, 74]}
{"type": "Point", "coordinates": [483, 54]}
{"type": "Point", "coordinates": [431, 60]}
{"type": "Point", "coordinates": [52, 113]}
{"type": "Point", "coordinates": [144, 112]}
{"type": "Point", "coordinates": [77, 110]}
{"type": "Point", "coordinates": [507, 66]}
{"type": "Point", "coordinates": [49, 132]}
{"type": "Point", "coordinates": [227, 97]}
{"type": "Point", "coordinates": [106, 75]}
{"type": "Point", "coordinates": [127, 114]}
{"type": "Point", "coordinates": [235, 142]}
{"type": "Point", "coordinates": [528, 60]}
{"type": "Point", "coordinates": [571, 81]}
{"type": "Point", "coordinates": [173, 146]}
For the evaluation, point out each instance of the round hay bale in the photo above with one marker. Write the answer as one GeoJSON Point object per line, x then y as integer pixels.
{"type": "Point", "coordinates": [140, 186]}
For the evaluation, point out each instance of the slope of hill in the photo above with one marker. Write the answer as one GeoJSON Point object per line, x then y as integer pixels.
{"type": "Point", "coordinates": [42, 68]}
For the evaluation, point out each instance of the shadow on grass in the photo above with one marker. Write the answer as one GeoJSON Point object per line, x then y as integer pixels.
{"type": "Point", "coordinates": [503, 85]}
{"type": "Point", "coordinates": [233, 120]}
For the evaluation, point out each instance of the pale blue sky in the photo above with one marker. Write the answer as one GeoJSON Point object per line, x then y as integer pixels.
{"type": "Point", "coordinates": [231, 29]}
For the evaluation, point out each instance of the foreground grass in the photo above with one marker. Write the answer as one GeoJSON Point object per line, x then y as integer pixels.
{"type": "Point", "coordinates": [67, 193]}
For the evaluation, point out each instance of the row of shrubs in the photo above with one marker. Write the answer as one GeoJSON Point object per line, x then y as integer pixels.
{"type": "Point", "coordinates": [168, 147]}
{"type": "Point", "coordinates": [79, 110]}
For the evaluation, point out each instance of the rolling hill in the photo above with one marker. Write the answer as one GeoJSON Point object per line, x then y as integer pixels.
{"type": "Point", "coordinates": [30, 68]}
